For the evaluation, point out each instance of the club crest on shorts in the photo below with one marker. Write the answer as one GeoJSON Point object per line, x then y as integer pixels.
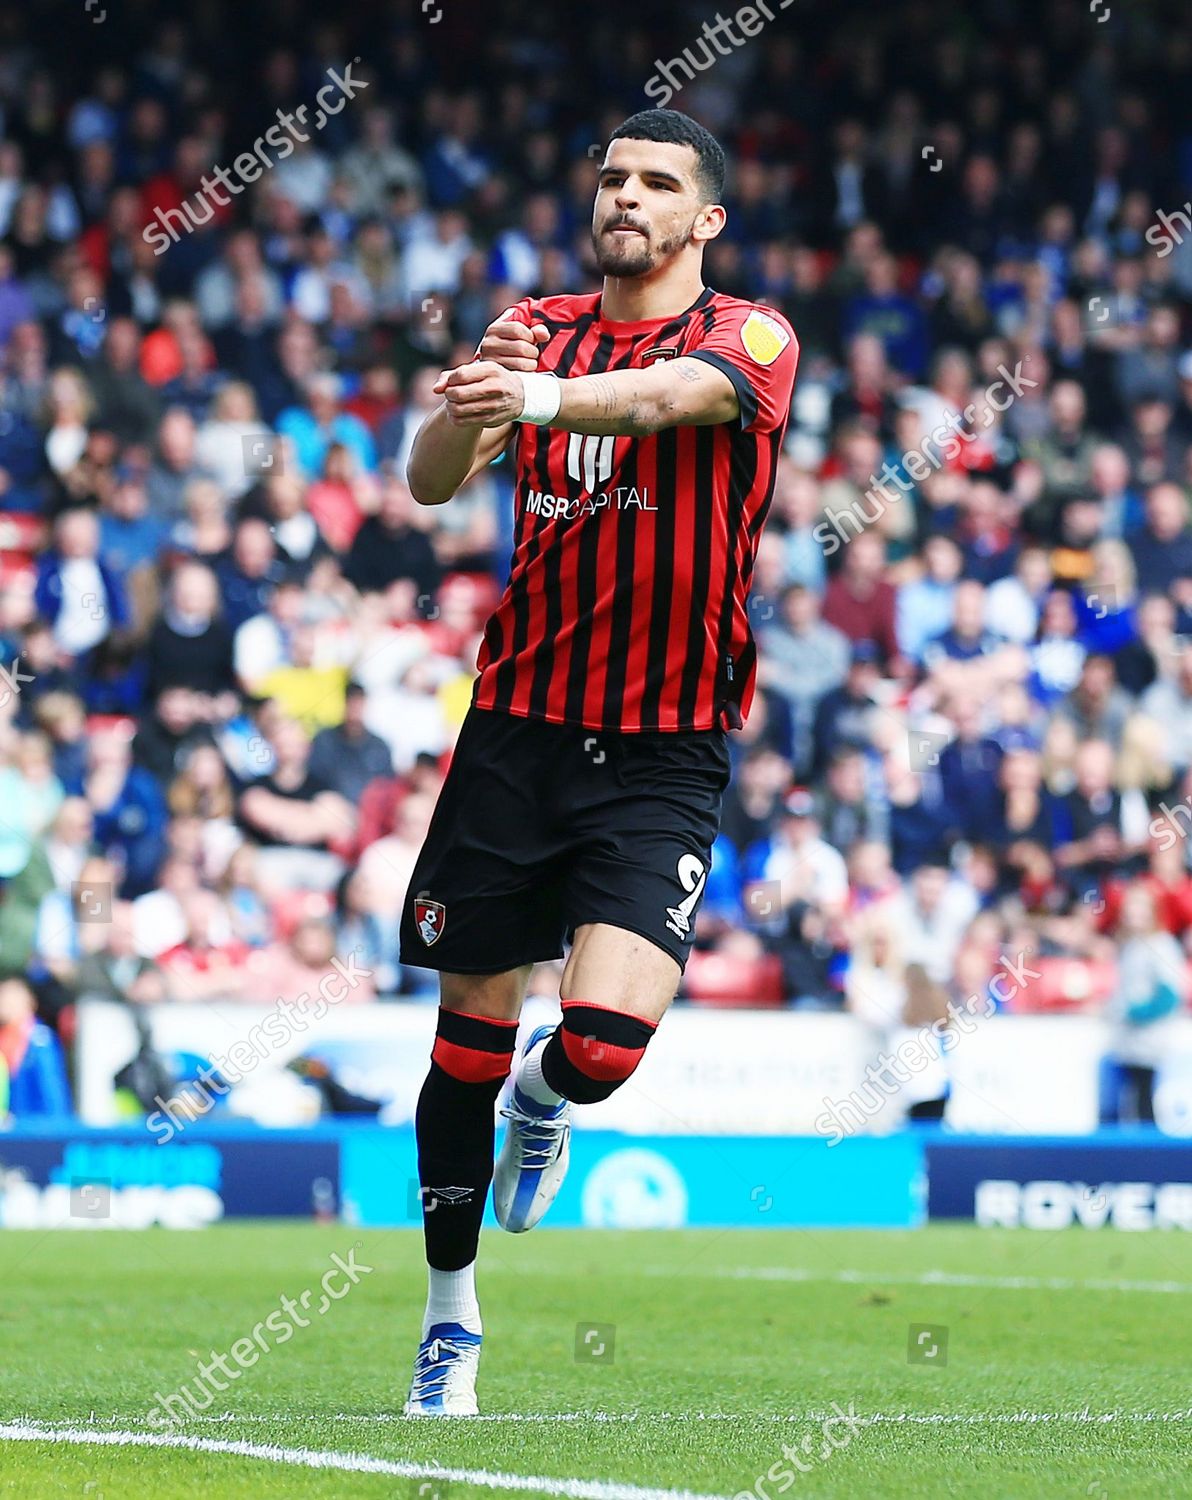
{"type": "Point", "coordinates": [430, 917]}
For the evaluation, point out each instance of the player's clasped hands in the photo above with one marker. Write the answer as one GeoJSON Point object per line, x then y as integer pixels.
{"type": "Point", "coordinates": [481, 394]}
{"type": "Point", "coordinates": [512, 344]}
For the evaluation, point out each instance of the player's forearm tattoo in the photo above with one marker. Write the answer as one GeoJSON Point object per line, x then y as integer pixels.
{"type": "Point", "coordinates": [605, 391]}
{"type": "Point", "coordinates": [688, 372]}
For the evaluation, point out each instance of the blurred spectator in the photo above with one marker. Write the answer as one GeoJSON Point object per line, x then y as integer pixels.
{"type": "Point", "coordinates": [175, 466]}
{"type": "Point", "coordinates": [346, 756]}
{"type": "Point", "coordinates": [126, 405]}
{"type": "Point", "coordinates": [190, 644]}
{"type": "Point", "coordinates": [1096, 707]}
{"type": "Point", "coordinates": [129, 809]}
{"type": "Point", "coordinates": [925, 606]}
{"type": "Point", "coordinates": [224, 444]}
{"type": "Point", "coordinates": [308, 968]}
{"type": "Point", "coordinates": [1105, 827]}
{"type": "Point", "coordinates": [931, 916]}
{"type": "Point", "coordinates": [1162, 548]}
{"type": "Point", "coordinates": [81, 597]}
{"type": "Point", "coordinates": [845, 715]}
{"type": "Point", "coordinates": [972, 599]}
{"type": "Point", "coordinates": [802, 658]}
{"type": "Point", "coordinates": [1150, 992]}
{"type": "Point", "coordinates": [249, 572]}
{"type": "Point", "coordinates": [1169, 702]}
{"type": "Point", "coordinates": [393, 544]}
{"type": "Point", "coordinates": [112, 969]}
{"type": "Point", "coordinates": [860, 602]}
{"type": "Point", "coordinates": [321, 422]}
{"type": "Point", "coordinates": [32, 1057]}
{"type": "Point", "coordinates": [294, 817]}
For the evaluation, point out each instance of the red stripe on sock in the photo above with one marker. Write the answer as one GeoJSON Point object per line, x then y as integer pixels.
{"type": "Point", "coordinates": [600, 1060]}
{"type": "Point", "coordinates": [470, 1065]}
{"type": "Point", "coordinates": [488, 1020]}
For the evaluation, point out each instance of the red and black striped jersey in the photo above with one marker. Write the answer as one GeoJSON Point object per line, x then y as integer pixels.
{"type": "Point", "coordinates": [625, 608]}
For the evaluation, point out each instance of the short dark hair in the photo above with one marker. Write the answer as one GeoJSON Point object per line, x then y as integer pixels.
{"type": "Point", "coordinates": [675, 128]}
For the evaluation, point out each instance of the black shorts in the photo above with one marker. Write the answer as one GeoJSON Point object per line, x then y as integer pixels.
{"type": "Point", "coordinates": [542, 827]}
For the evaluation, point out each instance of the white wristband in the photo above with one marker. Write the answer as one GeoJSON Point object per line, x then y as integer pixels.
{"type": "Point", "coordinates": [542, 395]}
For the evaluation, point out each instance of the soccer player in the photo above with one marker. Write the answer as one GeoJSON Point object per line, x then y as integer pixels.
{"type": "Point", "coordinates": [645, 424]}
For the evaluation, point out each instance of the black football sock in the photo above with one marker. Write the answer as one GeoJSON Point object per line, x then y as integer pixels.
{"type": "Point", "coordinates": [594, 1051]}
{"type": "Point", "coordinates": [456, 1132]}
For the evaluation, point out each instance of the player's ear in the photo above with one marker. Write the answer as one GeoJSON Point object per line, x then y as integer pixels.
{"type": "Point", "coordinates": [708, 222]}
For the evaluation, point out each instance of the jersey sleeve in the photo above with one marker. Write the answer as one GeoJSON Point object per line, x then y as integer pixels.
{"type": "Point", "coordinates": [757, 349]}
{"type": "Point", "coordinates": [519, 312]}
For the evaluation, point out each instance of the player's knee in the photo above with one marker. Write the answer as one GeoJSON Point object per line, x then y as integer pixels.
{"type": "Point", "coordinates": [474, 1049]}
{"type": "Point", "coordinates": [594, 1051]}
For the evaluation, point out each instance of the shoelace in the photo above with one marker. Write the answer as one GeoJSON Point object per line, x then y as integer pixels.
{"type": "Point", "coordinates": [431, 1371]}
{"type": "Point", "coordinates": [540, 1141]}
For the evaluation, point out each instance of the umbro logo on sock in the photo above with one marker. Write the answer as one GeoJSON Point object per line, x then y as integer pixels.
{"type": "Point", "coordinates": [452, 1196]}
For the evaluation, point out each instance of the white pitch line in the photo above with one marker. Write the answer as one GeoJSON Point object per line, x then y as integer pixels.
{"type": "Point", "coordinates": [941, 1278]}
{"type": "Point", "coordinates": [959, 1419]}
{"type": "Point", "coordinates": [350, 1463]}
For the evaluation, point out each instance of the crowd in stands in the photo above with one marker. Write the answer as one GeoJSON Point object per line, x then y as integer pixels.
{"type": "Point", "coordinates": [236, 652]}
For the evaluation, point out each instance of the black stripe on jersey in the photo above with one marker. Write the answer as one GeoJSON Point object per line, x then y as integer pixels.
{"type": "Point", "coordinates": [746, 395]}
{"type": "Point", "coordinates": [543, 655]}
{"type": "Point", "coordinates": [586, 580]}
{"type": "Point", "coordinates": [742, 474]}
{"type": "Point", "coordinates": [667, 444]}
{"type": "Point", "coordinates": [704, 465]}
{"type": "Point", "coordinates": [624, 603]}
{"type": "Point", "coordinates": [773, 441]}
{"type": "Point", "coordinates": [666, 449]}
{"type": "Point", "coordinates": [506, 678]}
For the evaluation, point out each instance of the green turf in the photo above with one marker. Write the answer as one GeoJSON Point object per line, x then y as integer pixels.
{"type": "Point", "coordinates": [93, 1323]}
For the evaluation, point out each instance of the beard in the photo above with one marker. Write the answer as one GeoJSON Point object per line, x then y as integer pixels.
{"type": "Point", "coordinates": [636, 257]}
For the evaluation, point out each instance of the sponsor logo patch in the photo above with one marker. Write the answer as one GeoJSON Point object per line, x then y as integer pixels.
{"type": "Point", "coordinates": [764, 337]}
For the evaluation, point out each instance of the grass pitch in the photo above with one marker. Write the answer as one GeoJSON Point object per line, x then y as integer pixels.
{"type": "Point", "coordinates": [649, 1361]}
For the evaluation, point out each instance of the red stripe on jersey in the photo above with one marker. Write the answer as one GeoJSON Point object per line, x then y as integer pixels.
{"type": "Point", "coordinates": [628, 588]}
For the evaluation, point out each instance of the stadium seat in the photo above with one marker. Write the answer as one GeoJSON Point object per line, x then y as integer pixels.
{"type": "Point", "coordinates": [723, 980]}
{"type": "Point", "coordinates": [292, 907]}
{"type": "Point", "coordinates": [111, 724]}
{"type": "Point", "coordinates": [21, 536]}
{"type": "Point", "coordinates": [1064, 984]}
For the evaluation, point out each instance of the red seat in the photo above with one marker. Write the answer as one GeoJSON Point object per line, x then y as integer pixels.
{"type": "Point", "coordinates": [1063, 984]}
{"type": "Point", "coordinates": [111, 724]}
{"type": "Point", "coordinates": [21, 533]}
{"type": "Point", "coordinates": [723, 979]}
{"type": "Point", "coordinates": [487, 593]}
{"type": "Point", "coordinates": [292, 907]}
